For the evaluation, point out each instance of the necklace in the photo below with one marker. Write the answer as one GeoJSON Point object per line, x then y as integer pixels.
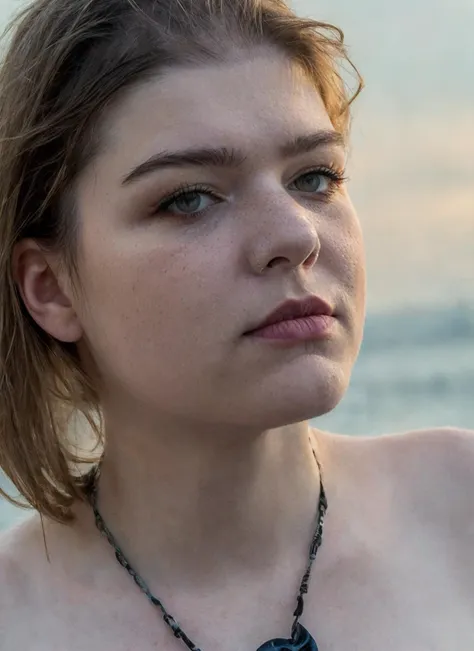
{"type": "Point", "coordinates": [300, 640]}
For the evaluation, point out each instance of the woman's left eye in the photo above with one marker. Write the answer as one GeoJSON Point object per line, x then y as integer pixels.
{"type": "Point", "coordinates": [317, 182]}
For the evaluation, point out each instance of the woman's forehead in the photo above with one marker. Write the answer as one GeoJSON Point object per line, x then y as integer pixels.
{"type": "Point", "coordinates": [245, 105]}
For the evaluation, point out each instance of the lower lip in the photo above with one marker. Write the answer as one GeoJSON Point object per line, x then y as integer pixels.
{"type": "Point", "coordinates": [302, 329]}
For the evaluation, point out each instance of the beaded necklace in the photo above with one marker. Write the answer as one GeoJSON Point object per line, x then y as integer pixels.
{"type": "Point", "coordinates": [300, 639]}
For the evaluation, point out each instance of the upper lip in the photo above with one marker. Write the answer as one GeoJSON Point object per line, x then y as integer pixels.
{"type": "Point", "coordinates": [294, 309]}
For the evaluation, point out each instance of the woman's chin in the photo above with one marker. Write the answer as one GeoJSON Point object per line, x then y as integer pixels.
{"type": "Point", "coordinates": [281, 401]}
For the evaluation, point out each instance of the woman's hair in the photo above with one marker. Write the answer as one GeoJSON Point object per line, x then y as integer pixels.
{"type": "Point", "coordinates": [66, 61]}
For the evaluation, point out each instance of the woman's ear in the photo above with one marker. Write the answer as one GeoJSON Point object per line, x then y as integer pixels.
{"type": "Point", "coordinates": [44, 293]}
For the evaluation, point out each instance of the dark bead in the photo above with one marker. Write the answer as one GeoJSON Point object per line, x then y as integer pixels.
{"type": "Point", "coordinates": [301, 641]}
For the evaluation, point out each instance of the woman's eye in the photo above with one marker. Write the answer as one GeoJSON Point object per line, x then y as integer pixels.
{"type": "Point", "coordinates": [188, 203]}
{"type": "Point", "coordinates": [313, 182]}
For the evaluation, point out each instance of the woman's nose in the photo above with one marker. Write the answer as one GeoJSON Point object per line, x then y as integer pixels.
{"type": "Point", "coordinates": [286, 237]}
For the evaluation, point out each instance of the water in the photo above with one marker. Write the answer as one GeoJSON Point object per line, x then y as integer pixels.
{"type": "Point", "coordinates": [416, 369]}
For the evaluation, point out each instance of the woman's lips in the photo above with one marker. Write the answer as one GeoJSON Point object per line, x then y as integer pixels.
{"type": "Point", "coordinates": [296, 320]}
{"type": "Point", "coordinates": [306, 328]}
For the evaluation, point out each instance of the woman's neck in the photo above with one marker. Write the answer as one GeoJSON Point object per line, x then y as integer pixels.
{"type": "Point", "coordinates": [185, 509]}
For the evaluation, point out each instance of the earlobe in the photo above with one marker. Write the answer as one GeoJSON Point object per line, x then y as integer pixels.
{"type": "Point", "coordinates": [41, 290]}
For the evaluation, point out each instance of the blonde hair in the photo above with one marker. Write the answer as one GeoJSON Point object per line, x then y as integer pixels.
{"type": "Point", "coordinates": [65, 62]}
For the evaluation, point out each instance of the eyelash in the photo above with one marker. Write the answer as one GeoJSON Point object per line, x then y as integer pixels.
{"type": "Point", "coordinates": [336, 176]}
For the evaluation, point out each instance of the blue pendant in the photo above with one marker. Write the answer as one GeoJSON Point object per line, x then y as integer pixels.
{"type": "Point", "coordinates": [301, 641]}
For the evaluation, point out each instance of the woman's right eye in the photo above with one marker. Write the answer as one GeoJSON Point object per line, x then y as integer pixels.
{"type": "Point", "coordinates": [190, 202]}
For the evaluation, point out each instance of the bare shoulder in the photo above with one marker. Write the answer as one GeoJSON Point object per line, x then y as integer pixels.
{"type": "Point", "coordinates": [21, 581]}
{"type": "Point", "coordinates": [442, 443]}
{"type": "Point", "coordinates": [430, 471]}
{"type": "Point", "coordinates": [17, 542]}
{"type": "Point", "coordinates": [48, 569]}
{"type": "Point", "coordinates": [437, 465]}
{"type": "Point", "coordinates": [448, 448]}
{"type": "Point", "coordinates": [17, 556]}
{"type": "Point", "coordinates": [427, 458]}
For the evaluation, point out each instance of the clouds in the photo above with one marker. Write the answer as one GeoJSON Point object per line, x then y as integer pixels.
{"type": "Point", "coordinates": [413, 185]}
{"type": "Point", "coordinates": [412, 164]}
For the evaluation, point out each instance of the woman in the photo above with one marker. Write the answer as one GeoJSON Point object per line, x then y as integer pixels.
{"type": "Point", "coordinates": [181, 265]}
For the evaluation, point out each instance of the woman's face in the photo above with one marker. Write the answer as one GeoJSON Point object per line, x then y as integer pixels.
{"type": "Point", "coordinates": [170, 284]}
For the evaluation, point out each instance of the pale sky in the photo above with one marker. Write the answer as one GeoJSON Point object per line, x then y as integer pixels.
{"type": "Point", "coordinates": [413, 144]}
{"type": "Point", "coordinates": [412, 164]}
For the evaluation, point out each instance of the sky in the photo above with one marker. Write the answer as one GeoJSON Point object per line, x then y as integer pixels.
{"type": "Point", "coordinates": [412, 157]}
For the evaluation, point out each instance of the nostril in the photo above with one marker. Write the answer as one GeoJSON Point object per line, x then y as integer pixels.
{"type": "Point", "coordinates": [275, 262]}
{"type": "Point", "coordinates": [311, 259]}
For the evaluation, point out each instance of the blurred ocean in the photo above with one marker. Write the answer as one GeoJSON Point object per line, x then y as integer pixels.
{"type": "Point", "coordinates": [415, 369]}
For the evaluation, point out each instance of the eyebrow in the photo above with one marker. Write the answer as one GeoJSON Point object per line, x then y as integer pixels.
{"type": "Point", "coordinates": [230, 158]}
